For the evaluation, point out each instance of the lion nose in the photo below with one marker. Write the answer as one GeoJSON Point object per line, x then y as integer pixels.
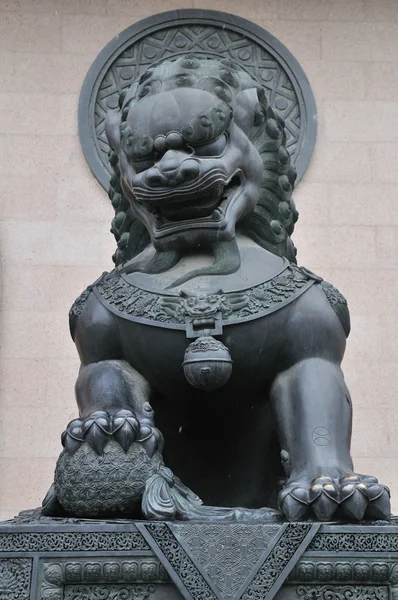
{"type": "Point", "coordinates": [171, 173]}
{"type": "Point", "coordinates": [155, 178]}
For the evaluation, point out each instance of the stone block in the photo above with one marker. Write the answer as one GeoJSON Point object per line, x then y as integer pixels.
{"type": "Point", "coordinates": [68, 282]}
{"type": "Point", "coordinates": [370, 386]}
{"type": "Point", "coordinates": [67, 123]}
{"type": "Point", "coordinates": [361, 121]}
{"type": "Point", "coordinates": [41, 430]}
{"type": "Point", "coordinates": [88, 34]}
{"type": "Point", "coordinates": [369, 425]}
{"type": "Point", "coordinates": [345, 162]}
{"type": "Point", "coordinates": [56, 6]}
{"type": "Point", "coordinates": [61, 379]}
{"type": "Point", "coordinates": [382, 81]}
{"type": "Point", "coordinates": [44, 287]}
{"type": "Point", "coordinates": [372, 338]}
{"type": "Point", "coordinates": [321, 10]}
{"type": "Point", "coordinates": [31, 155]}
{"type": "Point", "coordinates": [27, 199]}
{"type": "Point", "coordinates": [23, 382]}
{"type": "Point", "coordinates": [40, 73]}
{"type": "Point", "coordinates": [340, 80]}
{"type": "Point", "coordinates": [25, 481]}
{"type": "Point", "coordinates": [302, 38]}
{"type": "Point", "coordinates": [139, 10]}
{"type": "Point", "coordinates": [28, 382]}
{"type": "Point", "coordinates": [252, 9]}
{"type": "Point", "coordinates": [38, 114]}
{"type": "Point", "coordinates": [341, 10]}
{"type": "Point", "coordinates": [362, 204]}
{"type": "Point", "coordinates": [58, 243]}
{"type": "Point", "coordinates": [30, 334]}
{"type": "Point", "coordinates": [312, 202]}
{"type": "Point", "coordinates": [384, 160]}
{"type": "Point", "coordinates": [366, 289]}
{"type": "Point", "coordinates": [30, 5]}
{"type": "Point", "coordinates": [386, 11]}
{"type": "Point", "coordinates": [387, 247]}
{"type": "Point", "coordinates": [83, 199]}
{"type": "Point", "coordinates": [7, 71]}
{"type": "Point", "coordinates": [352, 41]}
{"type": "Point", "coordinates": [321, 247]}
{"type": "Point", "coordinates": [30, 31]}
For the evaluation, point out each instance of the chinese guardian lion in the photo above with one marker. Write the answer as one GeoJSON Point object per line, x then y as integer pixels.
{"type": "Point", "coordinates": [207, 323]}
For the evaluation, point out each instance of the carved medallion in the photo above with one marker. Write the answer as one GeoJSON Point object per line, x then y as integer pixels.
{"type": "Point", "coordinates": [213, 34]}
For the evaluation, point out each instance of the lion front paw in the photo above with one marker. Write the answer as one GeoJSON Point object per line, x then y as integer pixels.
{"type": "Point", "coordinates": [92, 485]}
{"type": "Point", "coordinates": [349, 496]}
{"type": "Point", "coordinates": [107, 459]}
{"type": "Point", "coordinates": [121, 426]}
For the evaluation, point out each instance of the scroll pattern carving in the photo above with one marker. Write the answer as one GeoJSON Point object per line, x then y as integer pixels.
{"type": "Point", "coordinates": [355, 542]}
{"type": "Point", "coordinates": [258, 300]}
{"type": "Point", "coordinates": [347, 592]}
{"type": "Point", "coordinates": [68, 542]}
{"type": "Point", "coordinates": [186, 570]}
{"type": "Point", "coordinates": [15, 578]}
{"type": "Point", "coordinates": [276, 561]}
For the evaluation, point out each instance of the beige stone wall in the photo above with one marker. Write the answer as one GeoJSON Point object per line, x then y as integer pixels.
{"type": "Point", "coordinates": [55, 217]}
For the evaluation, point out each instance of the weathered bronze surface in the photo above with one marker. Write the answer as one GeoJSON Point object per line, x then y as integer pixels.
{"type": "Point", "coordinates": [208, 322]}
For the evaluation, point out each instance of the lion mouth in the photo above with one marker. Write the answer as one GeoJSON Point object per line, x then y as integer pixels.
{"type": "Point", "coordinates": [208, 208]}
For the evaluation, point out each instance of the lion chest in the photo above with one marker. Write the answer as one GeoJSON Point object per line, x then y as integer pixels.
{"type": "Point", "coordinates": [161, 331]}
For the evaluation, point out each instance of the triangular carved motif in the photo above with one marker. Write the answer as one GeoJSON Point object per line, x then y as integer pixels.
{"type": "Point", "coordinates": [209, 567]}
{"type": "Point", "coordinates": [227, 554]}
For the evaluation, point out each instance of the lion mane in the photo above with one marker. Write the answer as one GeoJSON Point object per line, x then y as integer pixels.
{"type": "Point", "coordinates": [271, 223]}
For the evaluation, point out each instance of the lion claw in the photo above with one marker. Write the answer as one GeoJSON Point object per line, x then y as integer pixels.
{"type": "Point", "coordinates": [323, 497]}
{"type": "Point", "coordinates": [380, 507]}
{"type": "Point", "coordinates": [98, 428]}
{"type": "Point", "coordinates": [126, 428]}
{"type": "Point", "coordinates": [96, 438]}
{"type": "Point", "coordinates": [354, 501]}
{"type": "Point", "coordinates": [353, 496]}
{"type": "Point", "coordinates": [72, 438]}
{"type": "Point", "coordinates": [294, 503]}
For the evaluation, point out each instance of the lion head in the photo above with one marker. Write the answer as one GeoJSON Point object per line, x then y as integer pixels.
{"type": "Point", "coordinates": [198, 154]}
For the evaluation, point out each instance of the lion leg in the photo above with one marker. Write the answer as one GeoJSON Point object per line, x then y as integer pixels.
{"type": "Point", "coordinates": [113, 400]}
{"type": "Point", "coordinates": [111, 450]}
{"type": "Point", "coordinates": [314, 417]}
{"type": "Point", "coordinates": [112, 462]}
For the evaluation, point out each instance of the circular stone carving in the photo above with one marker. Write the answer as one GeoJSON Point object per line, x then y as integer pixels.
{"type": "Point", "coordinates": [214, 34]}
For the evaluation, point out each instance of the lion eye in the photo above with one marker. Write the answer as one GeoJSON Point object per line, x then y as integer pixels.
{"type": "Point", "coordinates": [214, 148]}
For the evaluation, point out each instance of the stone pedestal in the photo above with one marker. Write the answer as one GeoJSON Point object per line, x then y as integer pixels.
{"type": "Point", "coordinates": [69, 559]}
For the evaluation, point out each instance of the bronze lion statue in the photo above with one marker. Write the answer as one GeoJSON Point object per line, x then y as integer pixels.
{"type": "Point", "coordinates": [208, 323]}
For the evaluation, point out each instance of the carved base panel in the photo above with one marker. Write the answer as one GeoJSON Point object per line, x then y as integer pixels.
{"type": "Point", "coordinates": [67, 559]}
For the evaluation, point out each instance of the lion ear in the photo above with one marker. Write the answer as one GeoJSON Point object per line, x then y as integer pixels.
{"type": "Point", "coordinates": [112, 129]}
{"type": "Point", "coordinates": [247, 103]}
